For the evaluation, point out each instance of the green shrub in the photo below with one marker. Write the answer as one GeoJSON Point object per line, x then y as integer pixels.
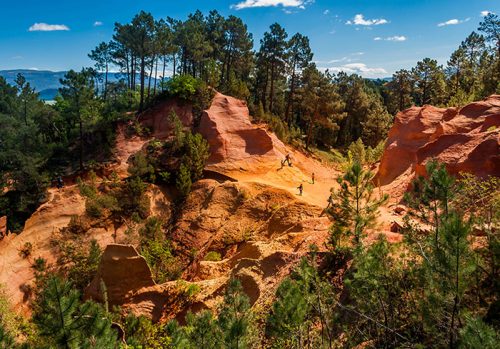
{"type": "Point", "coordinates": [140, 166]}
{"type": "Point", "coordinates": [183, 181]}
{"type": "Point", "coordinates": [26, 250]}
{"type": "Point", "coordinates": [182, 86]}
{"type": "Point", "coordinates": [213, 256]}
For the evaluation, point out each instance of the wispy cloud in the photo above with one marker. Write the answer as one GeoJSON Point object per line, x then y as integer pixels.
{"type": "Point", "coordinates": [485, 13]}
{"type": "Point", "coordinates": [349, 58]}
{"type": "Point", "coordinates": [357, 68]}
{"type": "Point", "coordinates": [97, 23]}
{"type": "Point", "coordinates": [325, 12]}
{"type": "Point", "coordinates": [359, 19]}
{"type": "Point", "coordinates": [391, 38]}
{"type": "Point", "coordinates": [271, 3]}
{"type": "Point", "coordinates": [453, 21]}
{"type": "Point", "coordinates": [44, 27]}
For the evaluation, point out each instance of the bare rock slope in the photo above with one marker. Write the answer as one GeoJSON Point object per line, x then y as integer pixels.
{"type": "Point", "coordinates": [465, 139]}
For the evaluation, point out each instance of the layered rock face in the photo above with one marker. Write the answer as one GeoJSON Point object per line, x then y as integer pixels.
{"type": "Point", "coordinates": [466, 139]}
{"type": "Point", "coordinates": [157, 118]}
{"type": "Point", "coordinates": [122, 270]}
{"type": "Point", "coordinates": [236, 143]}
{"type": "Point", "coordinates": [261, 233]}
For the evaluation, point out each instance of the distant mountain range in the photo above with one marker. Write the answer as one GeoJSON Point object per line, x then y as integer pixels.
{"type": "Point", "coordinates": [45, 82]}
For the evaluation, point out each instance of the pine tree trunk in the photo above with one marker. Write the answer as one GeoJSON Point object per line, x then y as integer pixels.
{"type": "Point", "coordinates": [271, 95]}
{"type": "Point", "coordinates": [156, 76]}
{"type": "Point", "coordinates": [106, 82]}
{"type": "Point", "coordinates": [290, 97]}
{"type": "Point", "coordinates": [141, 104]}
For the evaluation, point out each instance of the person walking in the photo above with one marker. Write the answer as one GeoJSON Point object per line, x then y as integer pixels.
{"type": "Point", "coordinates": [312, 177]}
{"type": "Point", "coordinates": [300, 188]}
{"type": "Point", "coordinates": [60, 182]}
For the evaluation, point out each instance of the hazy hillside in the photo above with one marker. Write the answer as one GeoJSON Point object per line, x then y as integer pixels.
{"type": "Point", "coordinates": [45, 82]}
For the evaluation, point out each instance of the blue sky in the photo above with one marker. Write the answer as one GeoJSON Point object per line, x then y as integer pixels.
{"type": "Point", "coordinates": [370, 37]}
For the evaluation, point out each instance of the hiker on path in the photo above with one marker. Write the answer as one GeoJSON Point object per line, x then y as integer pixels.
{"type": "Point", "coordinates": [60, 182]}
{"type": "Point", "coordinates": [330, 202]}
{"type": "Point", "coordinates": [300, 188]}
{"type": "Point", "coordinates": [287, 159]}
{"type": "Point", "coordinates": [312, 177]}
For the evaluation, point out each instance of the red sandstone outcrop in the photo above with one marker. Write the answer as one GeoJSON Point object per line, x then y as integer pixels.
{"type": "Point", "coordinates": [261, 233]}
{"type": "Point", "coordinates": [157, 117]}
{"type": "Point", "coordinates": [122, 270]}
{"type": "Point", "coordinates": [465, 139]}
{"type": "Point", "coordinates": [236, 143]}
{"type": "Point", "coordinates": [3, 227]}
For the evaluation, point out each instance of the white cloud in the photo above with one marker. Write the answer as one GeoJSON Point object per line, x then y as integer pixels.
{"type": "Point", "coordinates": [271, 3]}
{"type": "Point", "coordinates": [485, 13]}
{"type": "Point", "coordinates": [325, 12]}
{"type": "Point", "coordinates": [359, 19]}
{"type": "Point", "coordinates": [358, 68]}
{"type": "Point", "coordinates": [453, 22]}
{"type": "Point", "coordinates": [97, 23]}
{"type": "Point", "coordinates": [392, 38]}
{"type": "Point", "coordinates": [44, 27]}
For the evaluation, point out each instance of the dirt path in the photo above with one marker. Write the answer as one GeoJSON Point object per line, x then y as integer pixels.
{"type": "Point", "coordinates": [125, 148]}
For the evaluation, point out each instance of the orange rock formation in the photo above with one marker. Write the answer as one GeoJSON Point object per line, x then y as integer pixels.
{"type": "Point", "coordinates": [465, 139]}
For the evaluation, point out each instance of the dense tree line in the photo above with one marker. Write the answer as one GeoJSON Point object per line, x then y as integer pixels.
{"type": "Point", "coordinates": [471, 73]}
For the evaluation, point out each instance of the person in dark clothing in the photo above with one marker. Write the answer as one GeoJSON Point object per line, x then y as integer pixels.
{"type": "Point", "coordinates": [300, 188]}
{"type": "Point", "coordinates": [287, 159]}
{"type": "Point", "coordinates": [330, 202]}
{"type": "Point", "coordinates": [60, 182]}
{"type": "Point", "coordinates": [312, 177]}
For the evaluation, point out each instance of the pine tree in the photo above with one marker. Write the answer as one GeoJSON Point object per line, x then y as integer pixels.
{"type": "Point", "coordinates": [445, 264]}
{"type": "Point", "coordinates": [234, 317]}
{"type": "Point", "coordinates": [478, 335]}
{"type": "Point", "coordinates": [377, 287]}
{"type": "Point", "coordinates": [6, 339]}
{"type": "Point", "coordinates": [354, 208]}
{"type": "Point", "coordinates": [67, 323]}
{"type": "Point", "coordinates": [431, 198]}
{"type": "Point", "coordinates": [183, 181]}
{"type": "Point", "coordinates": [196, 154]}
{"type": "Point", "coordinates": [287, 323]}
{"type": "Point", "coordinates": [429, 82]}
{"type": "Point", "coordinates": [203, 330]}
{"type": "Point", "coordinates": [400, 91]}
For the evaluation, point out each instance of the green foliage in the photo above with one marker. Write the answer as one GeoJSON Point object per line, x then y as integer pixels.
{"type": "Point", "coordinates": [157, 251]}
{"type": "Point", "coordinates": [26, 250]}
{"type": "Point", "coordinates": [159, 256]}
{"type": "Point", "coordinates": [234, 317]}
{"type": "Point", "coordinates": [213, 256]}
{"type": "Point", "coordinates": [303, 312]}
{"type": "Point", "coordinates": [196, 155]}
{"type": "Point", "coordinates": [431, 197]}
{"type": "Point", "coordinates": [377, 289]}
{"type": "Point", "coordinates": [478, 335]}
{"type": "Point", "coordinates": [353, 208]}
{"type": "Point", "coordinates": [64, 322]}
{"type": "Point", "coordinates": [182, 86]}
{"type": "Point", "coordinates": [288, 320]}
{"type": "Point", "coordinates": [183, 181]}
{"type": "Point", "coordinates": [141, 167]}
{"type": "Point", "coordinates": [143, 333]}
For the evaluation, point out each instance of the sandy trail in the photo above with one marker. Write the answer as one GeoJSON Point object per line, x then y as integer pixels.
{"type": "Point", "coordinates": [290, 177]}
{"type": "Point", "coordinates": [125, 148]}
